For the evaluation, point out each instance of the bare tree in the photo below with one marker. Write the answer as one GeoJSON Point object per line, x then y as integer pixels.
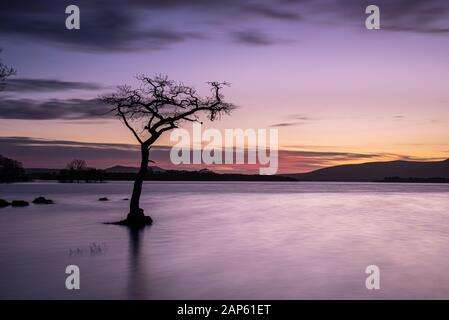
{"type": "Point", "coordinates": [76, 164]}
{"type": "Point", "coordinates": [76, 168]}
{"type": "Point", "coordinates": [157, 106]}
{"type": "Point", "coordinates": [5, 72]}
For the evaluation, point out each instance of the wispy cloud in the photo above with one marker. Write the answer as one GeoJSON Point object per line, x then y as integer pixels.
{"type": "Point", "coordinates": [419, 16]}
{"type": "Point", "coordinates": [299, 120]}
{"type": "Point", "coordinates": [304, 117]}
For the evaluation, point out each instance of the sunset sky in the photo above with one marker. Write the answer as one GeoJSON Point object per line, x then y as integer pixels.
{"type": "Point", "coordinates": [337, 92]}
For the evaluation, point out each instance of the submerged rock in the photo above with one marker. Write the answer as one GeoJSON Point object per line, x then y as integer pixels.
{"type": "Point", "coordinates": [19, 203]}
{"type": "Point", "coordinates": [103, 199]}
{"type": "Point", "coordinates": [4, 203]}
{"type": "Point", "coordinates": [42, 200]}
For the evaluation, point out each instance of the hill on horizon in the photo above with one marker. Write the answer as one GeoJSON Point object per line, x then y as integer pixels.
{"type": "Point", "coordinates": [378, 171]}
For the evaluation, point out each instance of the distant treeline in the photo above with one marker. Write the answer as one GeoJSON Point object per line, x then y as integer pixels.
{"type": "Point", "coordinates": [67, 175]}
{"type": "Point", "coordinates": [11, 170]}
{"type": "Point", "coordinates": [95, 175]}
{"type": "Point", "coordinates": [77, 171]}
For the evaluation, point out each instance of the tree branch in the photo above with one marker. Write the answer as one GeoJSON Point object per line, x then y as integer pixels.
{"type": "Point", "coordinates": [128, 125]}
{"type": "Point", "coordinates": [160, 105]}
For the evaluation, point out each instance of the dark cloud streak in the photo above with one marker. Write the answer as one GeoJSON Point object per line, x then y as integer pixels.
{"type": "Point", "coordinates": [114, 25]}
{"type": "Point", "coordinates": [285, 124]}
{"type": "Point", "coordinates": [105, 26]}
{"type": "Point", "coordinates": [255, 38]}
{"type": "Point", "coordinates": [273, 12]}
{"type": "Point", "coordinates": [47, 85]}
{"type": "Point", "coordinates": [68, 109]}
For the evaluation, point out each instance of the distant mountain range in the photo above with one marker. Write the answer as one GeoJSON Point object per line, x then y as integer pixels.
{"type": "Point", "coordinates": [379, 171]}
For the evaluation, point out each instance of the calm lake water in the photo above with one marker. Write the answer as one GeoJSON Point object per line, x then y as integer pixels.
{"type": "Point", "coordinates": [228, 240]}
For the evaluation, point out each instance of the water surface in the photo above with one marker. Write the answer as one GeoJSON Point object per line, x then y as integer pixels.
{"type": "Point", "coordinates": [228, 240]}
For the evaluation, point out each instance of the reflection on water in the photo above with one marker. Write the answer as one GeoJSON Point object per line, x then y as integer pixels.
{"type": "Point", "coordinates": [228, 240]}
{"type": "Point", "coordinates": [138, 281]}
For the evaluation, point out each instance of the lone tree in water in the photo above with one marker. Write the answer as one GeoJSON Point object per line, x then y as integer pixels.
{"type": "Point", "coordinates": [157, 106]}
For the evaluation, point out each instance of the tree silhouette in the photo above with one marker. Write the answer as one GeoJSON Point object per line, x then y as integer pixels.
{"type": "Point", "coordinates": [76, 168]}
{"type": "Point", "coordinates": [5, 72]}
{"type": "Point", "coordinates": [11, 170]}
{"type": "Point", "coordinates": [76, 164]}
{"type": "Point", "coordinates": [157, 106]}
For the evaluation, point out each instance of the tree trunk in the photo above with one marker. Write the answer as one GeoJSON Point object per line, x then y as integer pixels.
{"type": "Point", "coordinates": [134, 208]}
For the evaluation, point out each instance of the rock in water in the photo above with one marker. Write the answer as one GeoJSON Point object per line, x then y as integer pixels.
{"type": "Point", "coordinates": [42, 200]}
{"type": "Point", "coordinates": [135, 221]}
{"type": "Point", "coordinates": [19, 203]}
{"type": "Point", "coordinates": [4, 203]}
{"type": "Point", "coordinates": [103, 199]}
